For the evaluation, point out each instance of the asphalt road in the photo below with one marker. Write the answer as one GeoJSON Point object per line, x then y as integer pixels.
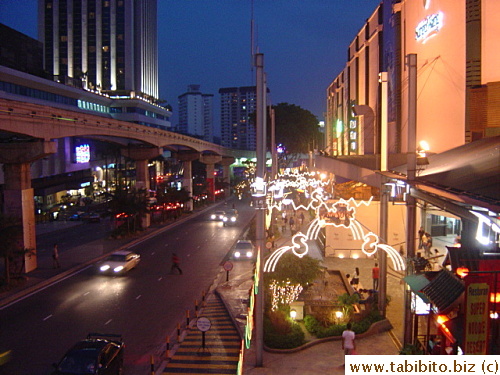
{"type": "Point", "coordinates": [144, 306]}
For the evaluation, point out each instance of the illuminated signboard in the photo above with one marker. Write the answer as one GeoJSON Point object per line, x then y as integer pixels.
{"type": "Point", "coordinates": [429, 26]}
{"type": "Point", "coordinates": [82, 153]}
{"type": "Point", "coordinates": [477, 294]}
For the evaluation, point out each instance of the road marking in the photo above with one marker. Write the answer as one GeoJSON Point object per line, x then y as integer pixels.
{"type": "Point", "coordinates": [86, 293]}
{"type": "Point", "coordinates": [139, 296]}
{"type": "Point", "coordinates": [161, 277]}
{"type": "Point", "coordinates": [109, 321]}
{"type": "Point", "coordinates": [153, 253]}
{"type": "Point", "coordinates": [47, 317]}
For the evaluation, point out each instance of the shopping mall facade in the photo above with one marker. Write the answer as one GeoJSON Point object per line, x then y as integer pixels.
{"type": "Point", "coordinates": [427, 70]}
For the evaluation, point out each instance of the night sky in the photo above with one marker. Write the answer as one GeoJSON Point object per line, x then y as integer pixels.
{"type": "Point", "coordinates": [207, 42]}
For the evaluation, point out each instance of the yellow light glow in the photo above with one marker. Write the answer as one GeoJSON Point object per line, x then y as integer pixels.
{"type": "Point", "coordinates": [424, 146]}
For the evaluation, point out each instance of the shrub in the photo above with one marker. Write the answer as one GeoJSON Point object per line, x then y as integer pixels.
{"type": "Point", "coordinates": [314, 327]}
{"type": "Point", "coordinates": [279, 322]}
{"type": "Point", "coordinates": [293, 339]}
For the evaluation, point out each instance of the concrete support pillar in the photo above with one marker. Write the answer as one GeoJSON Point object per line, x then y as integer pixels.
{"type": "Point", "coordinates": [226, 175]}
{"type": "Point", "coordinates": [210, 161]}
{"type": "Point", "coordinates": [18, 193]}
{"type": "Point", "coordinates": [187, 158]}
{"type": "Point", "coordinates": [141, 156]}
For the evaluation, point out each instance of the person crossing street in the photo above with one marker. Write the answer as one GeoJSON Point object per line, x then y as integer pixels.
{"type": "Point", "coordinates": [175, 264]}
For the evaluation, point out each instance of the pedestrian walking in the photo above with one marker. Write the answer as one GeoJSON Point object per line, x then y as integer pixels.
{"type": "Point", "coordinates": [421, 238]}
{"type": "Point", "coordinates": [292, 223]}
{"type": "Point", "coordinates": [348, 340]}
{"type": "Point", "coordinates": [175, 264]}
{"type": "Point", "coordinates": [428, 245]}
{"type": "Point", "coordinates": [55, 257]}
{"type": "Point", "coordinates": [375, 276]}
{"type": "Point", "coordinates": [302, 218]}
{"type": "Point", "coordinates": [355, 278]}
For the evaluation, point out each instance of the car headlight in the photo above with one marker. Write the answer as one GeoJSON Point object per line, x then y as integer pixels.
{"type": "Point", "coordinates": [118, 269]}
{"type": "Point", "coordinates": [249, 254]}
{"type": "Point", "coordinates": [224, 219]}
{"type": "Point", "coordinates": [233, 219]}
{"type": "Point", "coordinates": [237, 254]}
{"type": "Point", "coordinates": [104, 268]}
{"type": "Point", "coordinates": [213, 217]}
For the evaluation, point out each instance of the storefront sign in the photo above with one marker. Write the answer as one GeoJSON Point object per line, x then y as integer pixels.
{"type": "Point", "coordinates": [82, 153]}
{"type": "Point", "coordinates": [477, 295]}
{"type": "Point", "coordinates": [429, 26]}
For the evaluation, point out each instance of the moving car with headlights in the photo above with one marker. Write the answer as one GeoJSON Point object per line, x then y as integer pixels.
{"type": "Point", "coordinates": [100, 354]}
{"type": "Point", "coordinates": [230, 217]}
{"type": "Point", "coordinates": [119, 262]}
{"type": "Point", "coordinates": [243, 250]}
{"type": "Point", "coordinates": [217, 216]}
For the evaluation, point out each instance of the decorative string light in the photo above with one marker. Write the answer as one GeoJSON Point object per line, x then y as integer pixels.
{"type": "Point", "coordinates": [340, 214]}
{"type": "Point", "coordinates": [284, 293]}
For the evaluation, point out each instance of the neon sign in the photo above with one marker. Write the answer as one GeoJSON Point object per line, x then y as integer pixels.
{"type": "Point", "coordinates": [82, 153]}
{"type": "Point", "coordinates": [429, 26]}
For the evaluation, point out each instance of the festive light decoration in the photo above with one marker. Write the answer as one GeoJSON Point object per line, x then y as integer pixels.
{"type": "Point", "coordinates": [340, 214]}
{"type": "Point", "coordinates": [284, 293]}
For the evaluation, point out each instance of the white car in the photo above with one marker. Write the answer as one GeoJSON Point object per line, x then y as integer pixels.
{"type": "Point", "coordinates": [230, 218]}
{"type": "Point", "coordinates": [119, 262]}
{"type": "Point", "coordinates": [217, 216]}
{"type": "Point", "coordinates": [243, 250]}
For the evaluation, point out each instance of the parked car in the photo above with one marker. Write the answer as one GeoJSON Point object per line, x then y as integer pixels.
{"type": "Point", "coordinates": [100, 354]}
{"type": "Point", "coordinates": [230, 217]}
{"type": "Point", "coordinates": [243, 249]}
{"type": "Point", "coordinates": [74, 217]}
{"type": "Point", "coordinates": [91, 217]}
{"type": "Point", "coordinates": [217, 216]}
{"type": "Point", "coordinates": [119, 262]}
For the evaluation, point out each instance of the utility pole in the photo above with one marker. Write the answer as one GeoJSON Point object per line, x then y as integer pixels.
{"type": "Point", "coordinates": [411, 204]}
{"type": "Point", "coordinates": [384, 199]}
{"type": "Point", "coordinates": [274, 152]}
{"type": "Point", "coordinates": [260, 205]}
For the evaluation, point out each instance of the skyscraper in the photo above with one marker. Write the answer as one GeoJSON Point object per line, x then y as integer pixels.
{"type": "Point", "coordinates": [196, 113]}
{"type": "Point", "coordinates": [237, 104]}
{"type": "Point", "coordinates": [110, 44]}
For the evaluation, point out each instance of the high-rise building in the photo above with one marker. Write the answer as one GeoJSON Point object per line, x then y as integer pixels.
{"type": "Point", "coordinates": [196, 113]}
{"type": "Point", "coordinates": [237, 104]}
{"type": "Point", "coordinates": [111, 45]}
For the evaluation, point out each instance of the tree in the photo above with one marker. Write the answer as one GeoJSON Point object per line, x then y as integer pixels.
{"type": "Point", "coordinates": [133, 203]}
{"type": "Point", "coordinates": [297, 130]}
{"type": "Point", "coordinates": [290, 275]}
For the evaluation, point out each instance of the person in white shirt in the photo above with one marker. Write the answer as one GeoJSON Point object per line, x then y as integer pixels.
{"type": "Point", "coordinates": [348, 340]}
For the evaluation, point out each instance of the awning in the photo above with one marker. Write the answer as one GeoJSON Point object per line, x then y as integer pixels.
{"type": "Point", "coordinates": [416, 284]}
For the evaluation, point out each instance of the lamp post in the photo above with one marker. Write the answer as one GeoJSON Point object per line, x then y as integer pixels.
{"type": "Point", "coordinates": [260, 205]}
{"type": "Point", "coordinates": [411, 204]}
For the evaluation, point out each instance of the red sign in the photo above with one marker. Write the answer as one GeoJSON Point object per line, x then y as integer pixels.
{"type": "Point", "coordinates": [477, 314]}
